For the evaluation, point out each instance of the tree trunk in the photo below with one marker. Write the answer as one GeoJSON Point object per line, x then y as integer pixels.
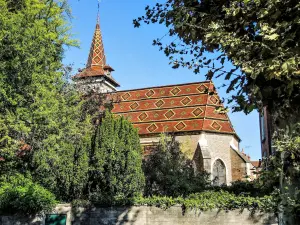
{"type": "Point", "coordinates": [288, 190]}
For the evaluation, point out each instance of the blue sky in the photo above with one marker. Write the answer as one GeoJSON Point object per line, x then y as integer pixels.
{"type": "Point", "coordinates": [136, 62]}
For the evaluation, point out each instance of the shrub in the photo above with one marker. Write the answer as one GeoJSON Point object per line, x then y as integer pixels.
{"type": "Point", "coordinates": [20, 195]}
{"type": "Point", "coordinates": [248, 188]}
{"type": "Point", "coordinates": [169, 172]}
{"type": "Point", "coordinates": [208, 200]}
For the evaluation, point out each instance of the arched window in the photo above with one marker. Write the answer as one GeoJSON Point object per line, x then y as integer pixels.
{"type": "Point", "coordinates": [219, 173]}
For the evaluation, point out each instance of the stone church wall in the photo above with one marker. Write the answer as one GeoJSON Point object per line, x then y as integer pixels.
{"type": "Point", "coordinates": [205, 149]}
{"type": "Point", "coordinates": [219, 148]}
{"type": "Point", "coordinates": [238, 166]}
{"type": "Point", "coordinates": [144, 215]}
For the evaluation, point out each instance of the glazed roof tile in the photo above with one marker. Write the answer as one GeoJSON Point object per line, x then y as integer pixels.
{"type": "Point", "coordinates": [92, 72]}
{"type": "Point", "coordinates": [96, 63]}
{"type": "Point", "coordinates": [180, 108]}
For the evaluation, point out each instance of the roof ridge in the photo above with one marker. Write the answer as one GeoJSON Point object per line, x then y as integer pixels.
{"type": "Point", "coordinates": [163, 86]}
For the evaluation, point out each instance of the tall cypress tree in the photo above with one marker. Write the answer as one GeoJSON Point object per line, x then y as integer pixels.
{"type": "Point", "coordinates": [117, 161]}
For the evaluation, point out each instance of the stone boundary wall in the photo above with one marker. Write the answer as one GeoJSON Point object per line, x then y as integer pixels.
{"type": "Point", "coordinates": [146, 215]}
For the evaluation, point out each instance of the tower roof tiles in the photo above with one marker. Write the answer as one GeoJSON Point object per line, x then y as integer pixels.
{"type": "Point", "coordinates": [96, 63]}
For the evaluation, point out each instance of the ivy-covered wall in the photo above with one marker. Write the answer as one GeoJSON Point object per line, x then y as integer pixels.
{"type": "Point", "coordinates": [146, 215]}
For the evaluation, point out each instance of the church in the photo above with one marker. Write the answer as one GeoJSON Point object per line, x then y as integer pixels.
{"type": "Point", "coordinates": [188, 111]}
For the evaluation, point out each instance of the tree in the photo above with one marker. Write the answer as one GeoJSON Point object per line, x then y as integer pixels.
{"type": "Point", "coordinates": [116, 161]}
{"type": "Point", "coordinates": [62, 164]}
{"type": "Point", "coordinates": [283, 166]}
{"type": "Point", "coordinates": [42, 130]}
{"type": "Point", "coordinates": [259, 37]}
{"type": "Point", "coordinates": [261, 40]}
{"type": "Point", "coordinates": [169, 172]}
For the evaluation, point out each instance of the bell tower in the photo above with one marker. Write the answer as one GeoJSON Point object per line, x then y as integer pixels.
{"type": "Point", "coordinates": [96, 77]}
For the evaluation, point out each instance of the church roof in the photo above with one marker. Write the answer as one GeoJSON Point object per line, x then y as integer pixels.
{"type": "Point", "coordinates": [256, 164]}
{"type": "Point", "coordinates": [177, 108]}
{"type": "Point", "coordinates": [243, 156]}
{"type": "Point", "coordinates": [96, 63]}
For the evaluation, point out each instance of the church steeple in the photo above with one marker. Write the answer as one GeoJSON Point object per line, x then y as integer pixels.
{"type": "Point", "coordinates": [97, 55]}
{"type": "Point", "coordinates": [96, 77]}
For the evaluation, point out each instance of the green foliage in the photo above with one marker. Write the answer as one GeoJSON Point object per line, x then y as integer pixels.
{"type": "Point", "coordinates": [284, 166]}
{"type": "Point", "coordinates": [255, 188]}
{"type": "Point", "coordinates": [116, 162]}
{"type": "Point", "coordinates": [208, 200]}
{"type": "Point", "coordinates": [169, 172]}
{"type": "Point", "coordinates": [260, 38]}
{"type": "Point", "coordinates": [38, 107]}
{"type": "Point", "coordinates": [81, 203]}
{"type": "Point", "coordinates": [22, 195]}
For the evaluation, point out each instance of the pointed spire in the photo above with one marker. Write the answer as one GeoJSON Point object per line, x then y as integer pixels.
{"type": "Point", "coordinates": [96, 63]}
{"type": "Point", "coordinates": [97, 59]}
{"type": "Point", "coordinates": [97, 54]}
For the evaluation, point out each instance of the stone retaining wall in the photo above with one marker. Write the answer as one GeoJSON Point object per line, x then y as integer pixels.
{"type": "Point", "coordinates": [143, 215]}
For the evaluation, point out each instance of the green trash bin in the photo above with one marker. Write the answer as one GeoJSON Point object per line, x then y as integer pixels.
{"type": "Point", "coordinates": [56, 219]}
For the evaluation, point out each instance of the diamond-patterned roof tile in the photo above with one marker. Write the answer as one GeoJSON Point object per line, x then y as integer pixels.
{"type": "Point", "coordinates": [126, 96]}
{"type": "Point", "coordinates": [216, 125]}
{"type": "Point", "coordinates": [202, 88]}
{"type": "Point", "coordinates": [143, 116]}
{"type": "Point", "coordinates": [169, 114]}
{"type": "Point", "coordinates": [186, 111]}
{"type": "Point", "coordinates": [97, 55]}
{"type": "Point", "coordinates": [197, 112]}
{"type": "Point", "coordinates": [175, 90]}
{"type": "Point", "coordinates": [134, 105]}
{"type": "Point", "coordinates": [181, 125]}
{"type": "Point", "coordinates": [96, 64]}
{"type": "Point", "coordinates": [152, 127]}
{"type": "Point", "coordinates": [186, 101]}
{"type": "Point", "coordinates": [159, 103]}
{"type": "Point", "coordinates": [213, 99]}
{"type": "Point", "coordinates": [150, 93]}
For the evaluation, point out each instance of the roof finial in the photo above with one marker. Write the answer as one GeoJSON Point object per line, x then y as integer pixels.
{"type": "Point", "coordinates": [98, 14]}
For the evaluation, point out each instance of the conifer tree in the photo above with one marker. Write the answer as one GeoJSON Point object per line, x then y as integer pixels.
{"type": "Point", "coordinates": [116, 168]}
